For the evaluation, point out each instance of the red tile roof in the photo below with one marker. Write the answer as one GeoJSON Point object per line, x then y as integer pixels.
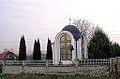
{"type": "Point", "coordinates": [4, 54]}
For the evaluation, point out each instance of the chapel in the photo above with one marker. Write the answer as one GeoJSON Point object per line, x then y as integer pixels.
{"type": "Point", "coordinates": [70, 44]}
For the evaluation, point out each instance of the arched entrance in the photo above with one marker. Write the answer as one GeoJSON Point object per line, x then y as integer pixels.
{"type": "Point", "coordinates": [65, 48]}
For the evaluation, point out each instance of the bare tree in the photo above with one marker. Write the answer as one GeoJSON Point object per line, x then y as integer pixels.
{"type": "Point", "coordinates": [87, 28]}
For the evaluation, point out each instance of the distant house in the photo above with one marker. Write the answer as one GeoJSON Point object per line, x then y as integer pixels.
{"type": "Point", "coordinates": [7, 56]}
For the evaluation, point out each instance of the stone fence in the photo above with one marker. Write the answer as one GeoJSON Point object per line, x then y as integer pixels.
{"type": "Point", "coordinates": [65, 70]}
{"type": "Point", "coordinates": [83, 67]}
{"type": "Point", "coordinates": [86, 66]}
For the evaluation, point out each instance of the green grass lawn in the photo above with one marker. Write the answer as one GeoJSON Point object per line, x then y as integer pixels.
{"type": "Point", "coordinates": [37, 76]}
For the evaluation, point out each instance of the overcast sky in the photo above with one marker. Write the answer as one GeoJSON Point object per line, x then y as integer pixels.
{"type": "Point", "coordinates": [45, 18]}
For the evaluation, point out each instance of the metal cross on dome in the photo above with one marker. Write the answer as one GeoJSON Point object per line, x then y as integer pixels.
{"type": "Point", "coordinates": [69, 21]}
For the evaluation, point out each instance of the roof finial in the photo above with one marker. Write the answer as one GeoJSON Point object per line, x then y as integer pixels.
{"type": "Point", "coordinates": [69, 21]}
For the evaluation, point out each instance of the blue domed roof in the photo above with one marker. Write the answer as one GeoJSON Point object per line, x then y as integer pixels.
{"type": "Point", "coordinates": [74, 30]}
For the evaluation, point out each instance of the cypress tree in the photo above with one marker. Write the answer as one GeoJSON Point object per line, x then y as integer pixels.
{"type": "Point", "coordinates": [34, 50]}
{"type": "Point", "coordinates": [49, 50]}
{"type": "Point", "coordinates": [22, 49]}
{"type": "Point", "coordinates": [37, 51]}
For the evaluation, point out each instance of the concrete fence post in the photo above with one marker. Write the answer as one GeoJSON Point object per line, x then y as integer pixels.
{"type": "Point", "coordinates": [76, 63]}
{"type": "Point", "coordinates": [114, 66]}
{"type": "Point", "coordinates": [3, 62]}
{"type": "Point", "coordinates": [23, 63]}
{"type": "Point", "coordinates": [111, 65]}
{"type": "Point", "coordinates": [47, 62]}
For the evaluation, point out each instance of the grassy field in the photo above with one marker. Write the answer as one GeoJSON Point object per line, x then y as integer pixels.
{"type": "Point", "coordinates": [36, 76]}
